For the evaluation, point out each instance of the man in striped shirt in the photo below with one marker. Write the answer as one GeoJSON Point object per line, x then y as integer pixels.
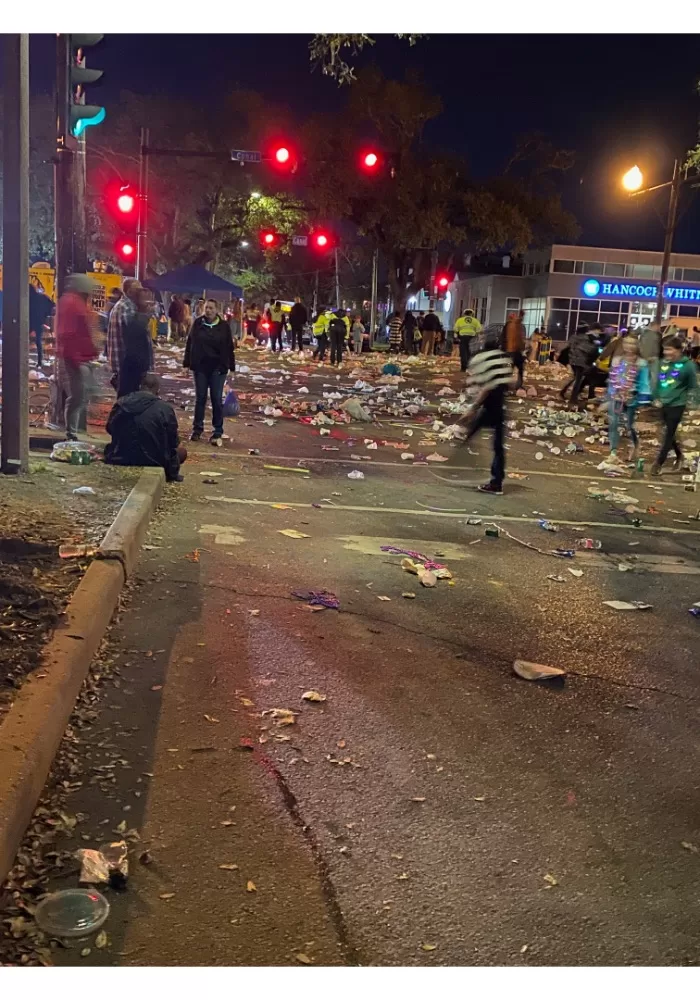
{"type": "Point", "coordinates": [489, 374]}
{"type": "Point", "coordinates": [119, 318]}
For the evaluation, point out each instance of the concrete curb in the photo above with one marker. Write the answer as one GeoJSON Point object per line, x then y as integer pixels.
{"type": "Point", "coordinates": [33, 728]}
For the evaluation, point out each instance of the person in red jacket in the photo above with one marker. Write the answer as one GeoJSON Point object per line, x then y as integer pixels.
{"type": "Point", "coordinates": [75, 347]}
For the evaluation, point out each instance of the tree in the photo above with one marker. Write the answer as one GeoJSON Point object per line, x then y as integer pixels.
{"type": "Point", "coordinates": [328, 53]}
{"type": "Point", "coordinates": [423, 209]}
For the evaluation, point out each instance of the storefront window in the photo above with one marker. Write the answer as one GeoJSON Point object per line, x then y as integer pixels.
{"type": "Point", "coordinates": [592, 267]}
{"type": "Point", "coordinates": [642, 271]}
{"type": "Point", "coordinates": [557, 324]}
{"type": "Point", "coordinates": [691, 274]}
{"type": "Point", "coordinates": [563, 266]}
{"type": "Point", "coordinates": [578, 267]}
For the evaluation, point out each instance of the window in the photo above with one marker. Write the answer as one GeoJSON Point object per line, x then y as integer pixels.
{"type": "Point", "coordinates": [512, 306]}
{"type": "Point", "coordinates": [563, 266]}
{"type": "Point", "coordinates": [561, 304]}
{"type": "Point", "coordinates": [691, 274]}
{"type": "Point", "coordinates": [482, 310]}
{"type": "Point", "coordinates": [557, 324]}
{"type": "Point", "coordinates": [578, 267]}
{"type": "Point", "coordinates": [675, 274]}
{"type": "Point", "coordinates": [609, 319]}
{"type": "Point", "coordinates": [643, 271]}
{"type": "Point", "coordinates": [592, 267]}
{"type": "Point", "coordinates": [687, 310]}
{"type": "Point", "coordinates": [533, 318]}
{"type": "Point", "coordinates": [615, 270]}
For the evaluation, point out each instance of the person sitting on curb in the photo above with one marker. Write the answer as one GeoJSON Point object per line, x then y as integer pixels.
{"type": "Point", "coordinates": [144, 431]}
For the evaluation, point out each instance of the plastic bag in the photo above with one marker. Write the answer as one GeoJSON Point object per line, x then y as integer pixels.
{"type": "Point", "coordinates": [232, 407]}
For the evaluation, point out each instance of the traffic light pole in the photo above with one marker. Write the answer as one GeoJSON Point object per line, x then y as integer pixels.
{"type": "Point", "coordinates": [63, 170]}
{"type": "Point", "coordinates": [80, 252]}
{"type": "Point", "coordinates": [142, 225]}
{"type": "Point", "coordinates": [15, 238]}
{"type": "Point", "coordinates": [373, 304]}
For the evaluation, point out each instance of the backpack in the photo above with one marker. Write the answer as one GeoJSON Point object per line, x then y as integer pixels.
{"type": "Point", "coordinates": [337, 326]}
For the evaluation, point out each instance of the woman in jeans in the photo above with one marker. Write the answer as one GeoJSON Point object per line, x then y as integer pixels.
{"type": "Point", "coordinates": [628, 388]}
{"type": "Point", "coordinates": [677, 377]}
{"type": "Point", "coordinates": [209, 355]}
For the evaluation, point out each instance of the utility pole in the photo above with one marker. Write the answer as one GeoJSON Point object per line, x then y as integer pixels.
{"type": "Point", "coordinates": [15, 239]}
{"type": "Point", "coordinates": [668, 239]}
{"type": "Point", "coordinates": [315, 305]}
{"type": "Point", "coordinates": [373, 303]}
{"type": "Point", "coordinates": [142, 225]}
{"type": "Point", "coordinates": [63, 169]}
{"type": "Point", "coordinates": [337, 281]}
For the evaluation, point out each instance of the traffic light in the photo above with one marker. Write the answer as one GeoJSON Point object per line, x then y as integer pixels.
{"type": "Point", "coordinates": [126, 249]}
{"type": "Point", "coordinates": [81, 115]}
{"type": "Point", "coordinates": [321, 240]}
{"type": "Point", "coordinates": [269, 239]}
{"type": "Point", "coordinates": [369, 161]}
{"type": "Point", "coordinates": [282, 157]}
{"type": "Point", "coordinates": [442, 282]}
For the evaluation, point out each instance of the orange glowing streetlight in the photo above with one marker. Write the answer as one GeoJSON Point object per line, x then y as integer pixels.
{"type": "Point", "coordinates": [633, 179]}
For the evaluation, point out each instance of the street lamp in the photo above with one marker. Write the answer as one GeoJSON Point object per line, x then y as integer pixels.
{"type": "Point", "coordinates": [244, 243]}
{"type": "Point", "coordinates": [632, 180]}
{"type": "Point", "coordinates": [254, 194]}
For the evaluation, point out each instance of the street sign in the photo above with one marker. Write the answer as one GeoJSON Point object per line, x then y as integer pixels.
{"type": "Point", "coordinates": [300, 241]}
{"type": "Point", "coordinates": [246, 155]}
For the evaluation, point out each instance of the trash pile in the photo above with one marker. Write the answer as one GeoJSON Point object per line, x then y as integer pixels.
{"type": "Point", "coordinates": [427, 570]}
{"type": "Point", "coordinates": [75, 452]}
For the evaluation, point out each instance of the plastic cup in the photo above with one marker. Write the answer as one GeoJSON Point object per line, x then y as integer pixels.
{"type": "Point", "coordinates": [72, 913]}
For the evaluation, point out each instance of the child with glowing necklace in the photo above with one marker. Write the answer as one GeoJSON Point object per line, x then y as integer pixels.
{"type": "Point", "coordinates": [628, 388]}
{"type": "Point", "coordinates": [677, 377]}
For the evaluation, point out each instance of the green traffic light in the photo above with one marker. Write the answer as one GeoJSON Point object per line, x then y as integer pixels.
{"type": "Point", "coordinates": [82, 123]}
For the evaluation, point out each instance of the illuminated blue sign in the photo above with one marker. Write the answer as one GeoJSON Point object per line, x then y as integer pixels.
{"type": "Point", "coordinates": [594, 289]}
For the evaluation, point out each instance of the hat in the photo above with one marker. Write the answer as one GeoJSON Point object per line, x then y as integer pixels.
{"type": "Point", "coordinates": [82, 284]}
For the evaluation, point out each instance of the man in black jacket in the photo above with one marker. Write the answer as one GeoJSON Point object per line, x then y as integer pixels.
{"type": "Point", "coordinates": [144, 431]}
{"type": "Point", "coordinates": [298, 317]}
{"type": "Point", "coordinates": [209, 354]}
{"type": "Point", "coordinates": [431, 328]}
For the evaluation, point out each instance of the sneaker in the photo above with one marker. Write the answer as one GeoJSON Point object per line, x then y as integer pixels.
{"type": "Point", "coordinates": [655, 470]}
{"type": "Point", "coordinates": [216, 441]}
{"type": "Point", "coordinates": [196, 436]}
{"type": "Point", "coordinates": [677, 465]}
{"type": "Point", "coordinates": [491, 488]}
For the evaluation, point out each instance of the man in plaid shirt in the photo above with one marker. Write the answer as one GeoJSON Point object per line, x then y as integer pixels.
{"type": "Point", "coordinates": [121, 315]}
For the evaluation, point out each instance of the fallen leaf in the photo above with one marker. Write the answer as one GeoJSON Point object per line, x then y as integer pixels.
{"type": "Point", "coordinates": [251, 887]}
{"type": "Point", "coordinates": [255, 613]}
{"type": "Point", "coordinates": [210, 718]}
{"type": "Point", "coordinates": [341, 744]}
{"type": "Point", "coordinates": [282, 506]}
{"type": "Point", "coordinates": [101, 940]}
{"type": "Point", "coordinates": [166, 895]}
{"type": "Point", "coordinates": [524, 949]}
{"type": "Point", "coordinates": [383, 598]}
{"type": "Point", "coordinates": [479, 798]}
{"type": "Point", "coordinates": [247, 702]}
{"type": "Point", "coordinates": [121, 827]}
{"type": "Point", "coordinates": [551, 879]}
{"type": "Point", "coordinates": [690, 847]}
{"type": "Point", "coordinates": [313, 696]}
{"type": "Point", "coordinates": [293, 533]}
{"type": "Point", "coordinates": [228, 868]}
{"type": "Point", "coordinates": [303, 958]}
{"type": "Point", "coordinates": [193, 556]}
{"type": "Point", "coordinates": [402, 877]}
{"type": "Point", "coordinates": [428, 947]}
{"type": "Point", "coordinates": [85, 952]}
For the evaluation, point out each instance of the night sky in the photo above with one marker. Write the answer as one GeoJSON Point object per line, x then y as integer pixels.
{"type": "Point", "coordinates": [615, 100]}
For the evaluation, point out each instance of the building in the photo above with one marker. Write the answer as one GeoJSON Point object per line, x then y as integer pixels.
{"type": "Point", "coordinates": [567, 285]}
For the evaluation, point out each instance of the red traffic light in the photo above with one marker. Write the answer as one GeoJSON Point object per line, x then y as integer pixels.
{"type": "Point", "coordinates": [321, 240]}
{"type": "Point", "coordinates": [443, 281]}
{"type": "Point", "coordinates": [282, 155]}
{"type": "Point", "coordinates": [125, 203]}
{"type": "Point", "coordinates": [369, 160]}
{"type": "Point", "coordinates": [126, 249]}
{"type": "Point", "coordinates": [269, 238]}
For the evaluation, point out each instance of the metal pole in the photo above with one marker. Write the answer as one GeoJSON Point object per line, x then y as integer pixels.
{"type": "Point", "coordinates": [314, 310]}
{"type": "Point", "coordinates": [373, 303]}
{"type": "Point", "coordinates": [63, 170]}
{"type": "Point", "coordinates": [337, 281]}
{"type": "Point", "coordinates": [142, 226]}
{"type": "Point", "coordinates": [15, 239]}
{"type": "Point", "coordinates": [668, 241]}
{"type": "Point", "coordinates": [80, 253]}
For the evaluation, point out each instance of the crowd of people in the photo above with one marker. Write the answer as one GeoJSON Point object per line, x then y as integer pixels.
{"type": "Point", "coordinates": [633, 368]}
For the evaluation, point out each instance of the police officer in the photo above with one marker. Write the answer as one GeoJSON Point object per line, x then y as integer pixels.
{"type": "Point", "coordinates": [320, 331]}
{"type": "Point", "coordinates": [466, 327]}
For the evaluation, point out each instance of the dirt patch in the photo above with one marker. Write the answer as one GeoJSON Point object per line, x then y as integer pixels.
{"type": "Point", "coordinates": [38, 513]}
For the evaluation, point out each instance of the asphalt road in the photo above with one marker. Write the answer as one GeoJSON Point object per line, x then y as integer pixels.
{"type": "Point", "coordinates": [434, 809]}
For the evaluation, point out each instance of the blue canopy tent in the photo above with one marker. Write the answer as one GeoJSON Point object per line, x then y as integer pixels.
{"type": "Point", "coordinates": [195, 279]}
